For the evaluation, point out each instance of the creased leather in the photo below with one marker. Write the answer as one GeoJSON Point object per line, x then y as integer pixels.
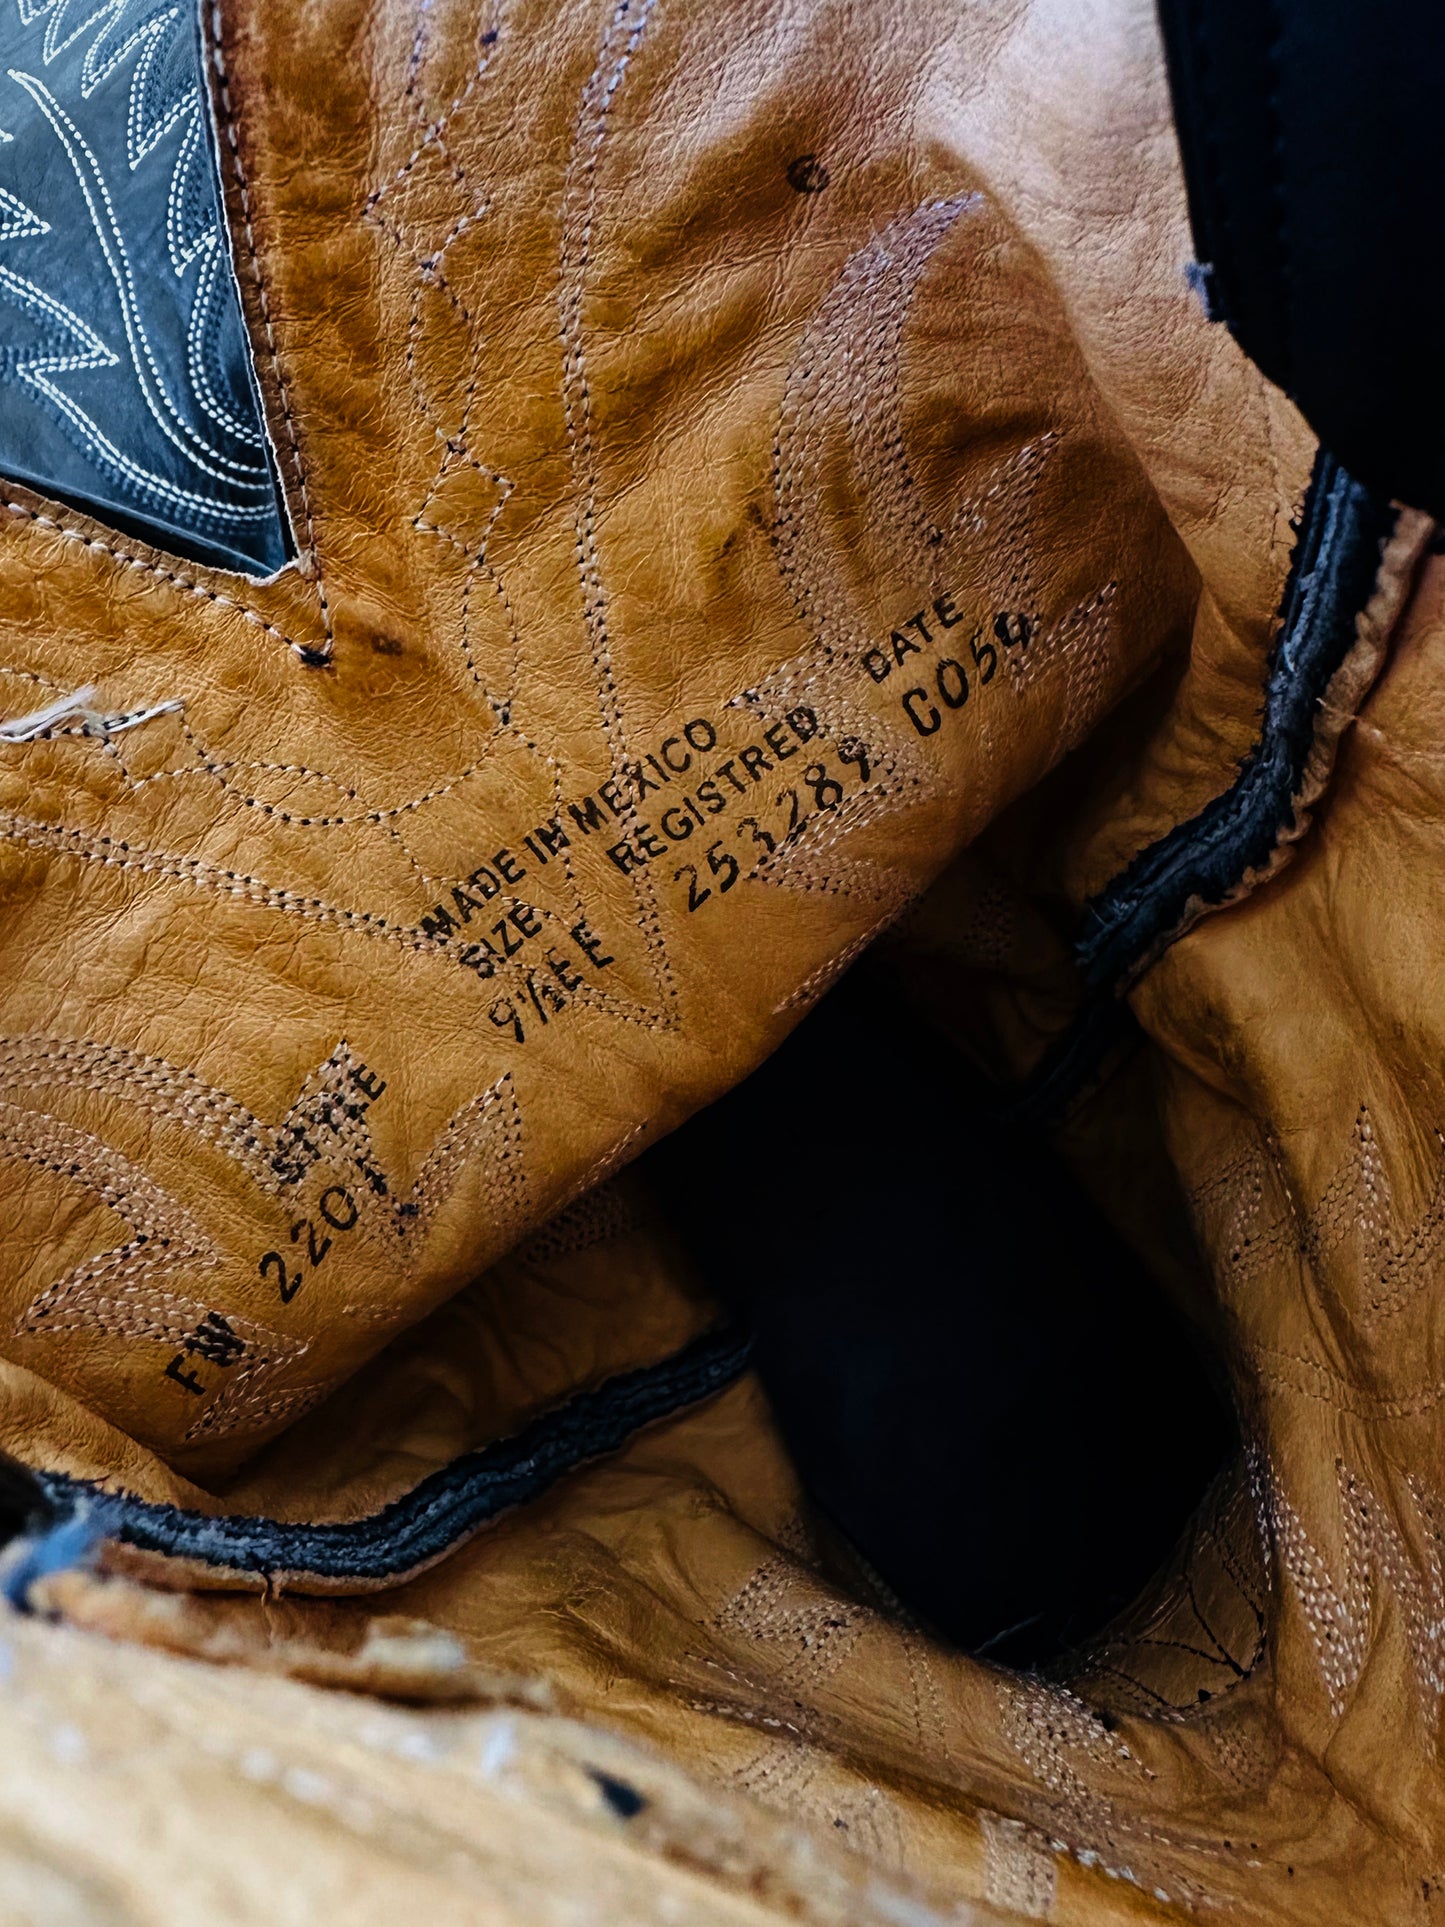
{"type": "Point", "coordinates": [744, 545]}
{"type": "Point", "coordinates": [654, 382]}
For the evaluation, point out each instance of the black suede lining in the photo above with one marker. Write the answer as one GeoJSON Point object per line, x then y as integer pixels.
{"type": "Point", "coordinates": [1313, 150]}
{"type": "Point", "coordinates": [443, 1510]}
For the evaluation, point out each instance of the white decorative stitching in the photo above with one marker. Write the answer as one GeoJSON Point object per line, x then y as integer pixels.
{"type": "Point", "coordinates": [579, 211]}
{"type": "Point", "coordinates": [161, 96]}
{"type": "Point", "coordinates": [77, 709]}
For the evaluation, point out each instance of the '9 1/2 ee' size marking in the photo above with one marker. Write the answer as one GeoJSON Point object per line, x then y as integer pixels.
{"type": "Point", "coordinates": [337, 1208]}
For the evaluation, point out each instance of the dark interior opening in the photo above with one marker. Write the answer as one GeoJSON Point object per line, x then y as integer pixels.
{"type": "Point", "coordinates": [980, 1385]}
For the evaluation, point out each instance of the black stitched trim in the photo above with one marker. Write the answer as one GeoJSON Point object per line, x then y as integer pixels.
{"type": "Point", "coordinates": [1131, 920]}
{"type": "Point", "coordinates": [446, 1508]}
{"type": "Point", "coordinates": [1331, 578]}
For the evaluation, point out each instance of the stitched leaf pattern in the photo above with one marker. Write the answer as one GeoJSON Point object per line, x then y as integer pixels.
{"type": "Point", "coordinates": [124, 365]}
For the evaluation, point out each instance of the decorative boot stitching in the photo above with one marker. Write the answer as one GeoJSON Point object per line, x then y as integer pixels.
{"type": "Point", "coordinates": [1061, 1740]}
{"type": "Point", "coordinates": [122, 1292]}
{"type": "Point", "coordinates": [410, 209]}
{"type": "Point", "coordinates": [326, 1125]}
{"type": "Point", "coordinates": [324, 1135]}
{"type": "Point", "coordinates": [845, 381]}
{"type": "Point", "coordinates": [1338, 1598]}
{"type": "Point", "coordinates": [799, 1635]}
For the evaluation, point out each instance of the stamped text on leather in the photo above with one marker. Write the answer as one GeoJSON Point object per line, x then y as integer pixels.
{"type": "Point", "coordinates": [698, 546]}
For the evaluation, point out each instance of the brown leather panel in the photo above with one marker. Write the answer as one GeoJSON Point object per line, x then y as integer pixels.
{"type": "Point", "coordinates": [614, 444]}
{"type": "Point", "coordinates": [655, 382]}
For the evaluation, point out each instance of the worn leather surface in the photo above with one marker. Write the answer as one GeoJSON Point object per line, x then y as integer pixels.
{"type": "Point", "coordinates": [607, 438]}
{"type": "Point", "coordinates": [634, 368]}
{"type": "Point", "coordinates": [271, 1800]}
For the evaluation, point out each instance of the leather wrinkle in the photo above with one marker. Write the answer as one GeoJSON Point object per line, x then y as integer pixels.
{"type": "Point", "coordinates": [602, 419]}
{"type": "Point", "coordinates": [1331, 578]}
{"type": "Point", "coordinates": [1207, 860]}
{"type": "Point", "coordinates": [446, 1509]}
